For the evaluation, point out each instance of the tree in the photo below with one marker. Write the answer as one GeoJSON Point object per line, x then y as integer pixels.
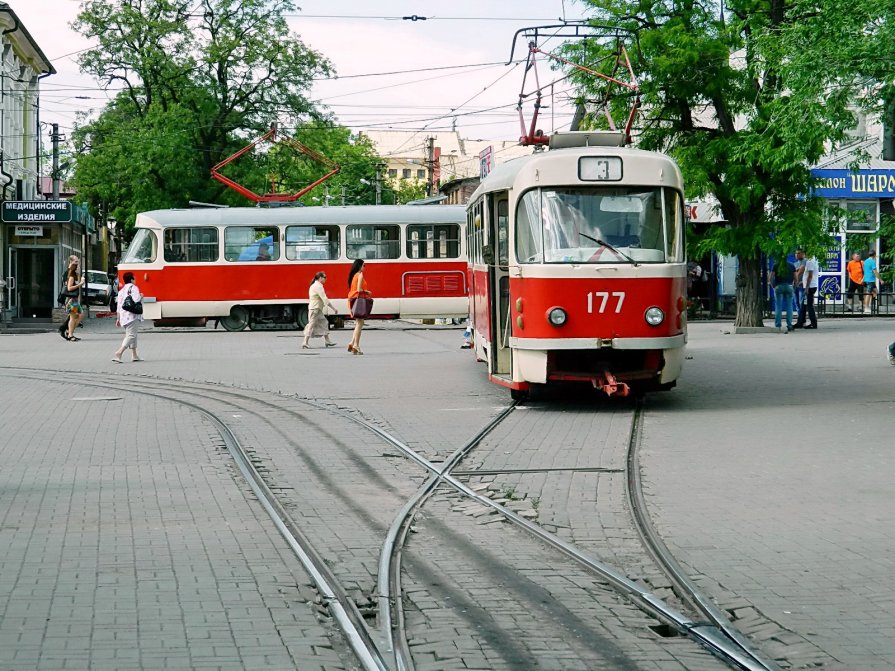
{"type": "Point", "coordinates": [196, 79]}
{"type": "Point", "coordinates": [723, 95]}
{"type": "Point", "coordinates": [406, 190]}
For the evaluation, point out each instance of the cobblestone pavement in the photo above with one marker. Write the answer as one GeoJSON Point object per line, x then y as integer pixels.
{"type": "Point", "coordinates": [769, 472]}
{"type": "Point", "coordinates": [126, 542]}
{"type": "Point", "coordinates": [766, 469]}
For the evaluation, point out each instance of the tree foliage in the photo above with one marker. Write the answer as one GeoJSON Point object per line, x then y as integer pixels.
{"type": "Point", "coordinates": [197, 80]}
{"type": "Point", "coordinates": [735, 96]}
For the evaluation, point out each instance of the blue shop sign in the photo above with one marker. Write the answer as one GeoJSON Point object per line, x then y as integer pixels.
{"type": "Point", "coordinates": [840, 183]}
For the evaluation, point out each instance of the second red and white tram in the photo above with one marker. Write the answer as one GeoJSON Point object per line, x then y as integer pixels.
{"type": "Point", "coordinates": [577, 268]}
{"type": "Point", "coordinates": [250, 266]}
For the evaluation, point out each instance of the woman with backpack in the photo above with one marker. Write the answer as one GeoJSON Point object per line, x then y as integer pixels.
{"type": "Point", "coordinates": [130, 314]}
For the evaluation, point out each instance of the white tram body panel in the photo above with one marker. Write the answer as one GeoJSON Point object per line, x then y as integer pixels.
{"type": "Point", "coordinates": [577, 268]}
{"type": "Point", "coordinates": [245, 265]}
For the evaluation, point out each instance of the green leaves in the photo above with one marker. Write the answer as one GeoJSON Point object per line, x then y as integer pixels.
{"type": "Point", "coordinates": [197, 80]}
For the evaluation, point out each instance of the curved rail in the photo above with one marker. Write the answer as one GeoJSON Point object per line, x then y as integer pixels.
{"type": "Point", "coordinates": [341, 606]}
{"type": "Point", "coordinates": [741, 653]}
{"type": "Point", "coordinates": [389, 583]}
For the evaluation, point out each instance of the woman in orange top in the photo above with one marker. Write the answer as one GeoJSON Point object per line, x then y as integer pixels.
{"type": "Point", "coordinates": [357, 285]}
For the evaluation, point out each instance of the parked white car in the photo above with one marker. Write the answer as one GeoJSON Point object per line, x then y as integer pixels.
{"type": "Point", "coordinates": [99, 287]}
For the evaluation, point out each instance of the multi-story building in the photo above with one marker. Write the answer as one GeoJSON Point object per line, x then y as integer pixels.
{"type": "Point", "coordinates": [34, 239]}
{"type": "Point", "coordinates": [409, 155]}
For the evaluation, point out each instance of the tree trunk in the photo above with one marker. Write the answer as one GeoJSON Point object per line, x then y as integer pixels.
{"type": "Point", "coordinates": [750, 303]}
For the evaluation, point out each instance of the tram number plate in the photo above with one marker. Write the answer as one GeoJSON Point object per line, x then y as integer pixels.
{"type": "Point", "coordinates": [603, 299]}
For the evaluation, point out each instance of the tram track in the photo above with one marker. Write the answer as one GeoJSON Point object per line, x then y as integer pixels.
{"type": "Point", "coordinates": [389, 648]}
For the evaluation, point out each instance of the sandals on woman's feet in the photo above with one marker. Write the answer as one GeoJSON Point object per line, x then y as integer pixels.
{"type": "Point", "coordinates": [351, 348]}
{"type": "Point", "coordinates": [74, 339]}
{"type": "Point", "coordinates": [306, 347]}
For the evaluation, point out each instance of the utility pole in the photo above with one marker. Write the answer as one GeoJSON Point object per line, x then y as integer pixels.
{"type": "Point", "coordinates": [55, 137]}
{"type": "Point", "coordinates": [430, 163]}
{"type": "Point", "coordinates": [343, 196]}
{"type": "Point", "coordinates": [379, 184]}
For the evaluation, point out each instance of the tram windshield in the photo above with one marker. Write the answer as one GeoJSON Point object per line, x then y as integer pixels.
{"type": "Point", "coordinates": [143, 247]}
{"type": "Point", "coordinates": [598, 225]}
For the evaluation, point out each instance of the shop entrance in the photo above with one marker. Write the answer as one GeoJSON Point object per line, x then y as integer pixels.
{"type": "Point", "coordinates": [33, 292]}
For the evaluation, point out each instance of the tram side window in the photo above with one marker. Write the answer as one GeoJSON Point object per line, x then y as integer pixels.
{"type": "Point", "coordinates": [251, 243]}
{"type": "Point", "coordinates": [674, 217]}
{"type": "Point", "coordinates": [143, 247]}
{"type": "Point", "coordinates": [312, 242]}
{"type": "Point", "coordinates": [189, 245]}
{"type": "Point", "coordinates": [373, 241]}
{"type": "Point", "coordinates": [529, 239]}
{"type": "Point", "coordinates": [433, 241]}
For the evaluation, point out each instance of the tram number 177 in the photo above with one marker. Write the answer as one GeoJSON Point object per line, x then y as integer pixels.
{"type": "Point", "coordinates": [602, 299]}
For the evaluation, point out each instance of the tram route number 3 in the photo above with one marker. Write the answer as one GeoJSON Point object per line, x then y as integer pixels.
{"type": "Point", "coordinates": [602, 300]}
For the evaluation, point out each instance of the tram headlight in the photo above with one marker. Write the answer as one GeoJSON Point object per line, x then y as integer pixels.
{"type": "Point", "coordinates": [654, 316]}
{"type": "Point", "coordinates": [557, 316]}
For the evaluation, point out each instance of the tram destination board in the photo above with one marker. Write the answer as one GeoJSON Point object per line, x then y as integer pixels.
{"type": "Point", "coordinates": [32, 211]}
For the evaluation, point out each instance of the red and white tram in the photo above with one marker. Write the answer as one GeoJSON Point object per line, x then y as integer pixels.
{"type": "Point", "coordinates": [577, 268]}
{"type": "Point", "coordinates": [248, 266]}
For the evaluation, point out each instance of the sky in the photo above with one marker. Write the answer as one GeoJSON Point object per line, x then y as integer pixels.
{"type": "Point", "coordinates": [364, 40]}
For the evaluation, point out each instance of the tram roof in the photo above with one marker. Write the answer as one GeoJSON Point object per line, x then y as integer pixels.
{"type": "Point", "coordinates": [504, 176]}
{"type": "Point", "coordinates": [285, 216]}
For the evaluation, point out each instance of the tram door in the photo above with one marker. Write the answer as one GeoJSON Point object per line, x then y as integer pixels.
{"type": "Point", "coordinates": [499, 283]}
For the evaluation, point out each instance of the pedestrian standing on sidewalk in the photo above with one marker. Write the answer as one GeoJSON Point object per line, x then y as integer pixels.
{"type": "Point", "coordinates": [318, 325]}
{"type": "Point", "coordinates": [809, 283]}
{"type": "Point", "coordinates": [781, 278]}
{"type": "Point", "coordinates": [855, 269]}
{"type": "Point", "coordinates": [891, 352]}
{"type": "Point", "coordinates": [130, 321]}
{"type": "Point", "coordinates": [73, 283]}
{"type": "Point", "coordinates": [799, 265]}
{"type": "Point", "coordinates": [871, 278]}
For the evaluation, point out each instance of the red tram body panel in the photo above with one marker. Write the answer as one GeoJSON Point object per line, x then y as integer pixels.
{"type": "Point", "coordinates": [577, 267]}
{"type": "Point", "coordinates": [207, 263]}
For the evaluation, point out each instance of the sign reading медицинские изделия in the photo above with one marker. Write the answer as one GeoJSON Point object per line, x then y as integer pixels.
{"type": "Point", "coordinates": [34, 211]}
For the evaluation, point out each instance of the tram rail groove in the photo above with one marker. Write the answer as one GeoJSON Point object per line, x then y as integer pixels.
{"type": "Point", "coordinates": [748, 657]}
{"type": "Point", "coordinates": [334, 598]}
{"type": "Point", "coordinates": [712, 637]}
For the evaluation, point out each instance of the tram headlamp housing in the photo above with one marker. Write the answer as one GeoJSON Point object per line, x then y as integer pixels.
{"type": "Point", "coordinates": [654, 316]}
{"type": "Point", "coordinates": [557, 316]}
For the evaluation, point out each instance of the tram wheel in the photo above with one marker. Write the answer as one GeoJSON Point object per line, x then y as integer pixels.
{"type": "Point", "coordinates": [336, 323]}
{"type": "Point", "coordinates": [237, 320]}
{"type": "Point", "coordinates": [301, 316]}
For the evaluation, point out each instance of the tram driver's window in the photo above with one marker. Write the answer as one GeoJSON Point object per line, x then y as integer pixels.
{"type": "Point", "coordinates": [250, 243]}
{"type": "Point", "coordinates": [143, 247]}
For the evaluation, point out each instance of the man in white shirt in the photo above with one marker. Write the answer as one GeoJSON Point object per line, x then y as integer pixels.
{"type": "Point", "coordinates": [809, 282]}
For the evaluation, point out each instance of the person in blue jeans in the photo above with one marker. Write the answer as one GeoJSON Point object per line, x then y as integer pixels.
{"type": "Point", "coordinates": [781, 278]}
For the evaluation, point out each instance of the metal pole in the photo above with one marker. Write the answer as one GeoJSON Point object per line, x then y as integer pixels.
{"type": "Point", "coordinates": [378, 184]}
{"type": "Point", "coordinates": [430, 163]}
{"type": "Point", "coordinates": [55, 138]}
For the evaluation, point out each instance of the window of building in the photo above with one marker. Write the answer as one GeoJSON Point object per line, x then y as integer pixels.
{"type": "Point", "coordinates": [312, 242]}
{"type": "Point", "coordinates": [248, 243]}
{"type": "Point", "coordinates": [373, 241]}
{"type": "Point", "coordinates": [405, 173]}
{"type": "Point", "coordinates": [433, 241]}
{"type": "Point", "coordinates": [191, 245]}
{"type": "Point", "coordinates": [861, 216]}
{"type": "Point", "coordinates": [392, 172]}
{"type": "Point", "coordinates": [421, 174]}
